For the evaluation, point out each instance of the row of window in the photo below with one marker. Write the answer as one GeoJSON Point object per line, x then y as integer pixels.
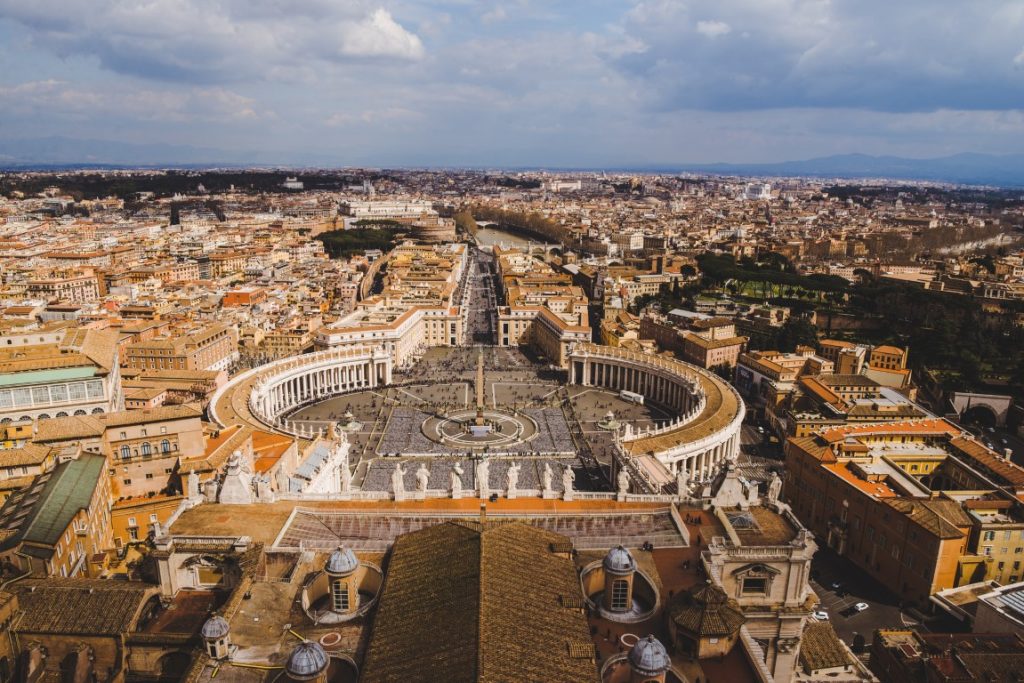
{"type": "Point", "coordinates": [24, 397]}
{"type": "Point", "coordinates": [147, 449]}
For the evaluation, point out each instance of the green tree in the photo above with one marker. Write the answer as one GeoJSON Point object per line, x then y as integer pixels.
{"type": "Point", "coordinates": [796, 332]}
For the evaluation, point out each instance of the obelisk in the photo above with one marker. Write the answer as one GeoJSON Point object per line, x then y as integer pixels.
{"type": "Point", "coordinates": [480, 388]}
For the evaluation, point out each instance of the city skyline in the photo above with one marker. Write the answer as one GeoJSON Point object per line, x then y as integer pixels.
{"type": "Point", "coordinates": [519, 84]}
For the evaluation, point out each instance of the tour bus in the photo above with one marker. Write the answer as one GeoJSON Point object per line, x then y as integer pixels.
{"type": "Point", "coordinates": [632, 397]}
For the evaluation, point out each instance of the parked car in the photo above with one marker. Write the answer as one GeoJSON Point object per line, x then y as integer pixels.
{"type": "Point", "coordinates": [820, 615]}
{"type": "Point", "coordinates": [861, 606]}
{"type": "Point", "coordinates": [835, 585]}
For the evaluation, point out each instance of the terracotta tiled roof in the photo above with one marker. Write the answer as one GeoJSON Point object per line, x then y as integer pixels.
{"type": "Point", "coordinates": [79, 606]}
{"type": "Point", "coordinates": [1007, 471]}
{"type": "Point", "coordinates": [939, 517]}
{"type": "Point", "coordinates": [706, 612]}
{"type": "Point", "coordinates": [820, 648]}
{"type": "Point", "coordinates": [464, 602]}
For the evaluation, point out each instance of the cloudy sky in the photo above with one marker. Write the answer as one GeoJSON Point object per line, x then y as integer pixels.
{"type": "Point", "coordinates": [520, 82]}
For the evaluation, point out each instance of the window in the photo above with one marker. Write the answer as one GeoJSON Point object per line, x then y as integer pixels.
{"type": "Point", "coordinates": [126, 452]}
{"type": "Point", "coordinates": [339, 596]}
{"type": "Point", "coordinates": [133, 533]}
{"type": "Point", "coordinates": [754, 586]}
{"type": "Point", "coordinates": [620, 595]}
{"type": "Point", "coordinates": [989, 536]}
{"type": "Point", "coordinates": [165, 446]}
{"type": "Point", "coordinates": [146, 448]}
{"type": "Point", "coordinates": [988, 550]}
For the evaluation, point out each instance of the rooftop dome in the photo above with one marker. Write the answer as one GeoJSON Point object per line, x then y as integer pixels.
{"type": "Point", "coordinates": [341, 561]}
{"type": "Point", "coordinates": [214, 628]}
{"type": "Point", "coordinates": [307, 661]}
{"type": "Point", "coordinates": [649, 657]}
{"type": "Point", "coordinates": [706, 611]}
{"type": "Point", "coordinates": [619, 561]}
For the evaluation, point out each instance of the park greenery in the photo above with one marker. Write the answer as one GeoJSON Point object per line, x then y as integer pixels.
{"type": "Point", "coordinates": [532, 223]}
{"type": "Point", "coordinates": [345, 243]}
{"type": "Point", "coordinates": [465, 224]}
{"type": "Point", "coordinates": [966, 344]}
{"type": "Point", "coordinates": [127, 185]}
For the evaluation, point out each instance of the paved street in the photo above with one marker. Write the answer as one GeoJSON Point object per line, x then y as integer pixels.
{"type": "Point", "coordinates": [480, 299]}
{"type": "Point", "coordinates": [749, 436]}
{"type": "Point", "coordinates": [855, 586]}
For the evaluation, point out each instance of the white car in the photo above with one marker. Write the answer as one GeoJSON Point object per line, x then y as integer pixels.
{"type": "Point", "coordinates": [821, 615]}
{"type": "Point", "coordinates": [861, 606]}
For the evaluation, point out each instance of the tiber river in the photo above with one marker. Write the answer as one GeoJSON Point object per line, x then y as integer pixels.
{"type": "Point", "coordinates": [490, 236]}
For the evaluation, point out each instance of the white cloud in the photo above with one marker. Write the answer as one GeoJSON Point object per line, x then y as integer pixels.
{"type": "Point", "coordinates": [390, 114]}
{"type": "Point", "coordinates": [818, 53]}
{"type": "Point", "coordinates": [379, 35]}
{"type": "Point", "coordinates": [1019, 59]}
{"type": "Point", "coordinates": [54, 97]}
{"type": "Point", "coordinates": [213, 40]}
{"type": "Point", "coordinates": [494, 15]}
{"type": "Point", "coordinates": [713, 29]}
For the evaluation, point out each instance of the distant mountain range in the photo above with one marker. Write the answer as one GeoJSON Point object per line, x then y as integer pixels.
{"type": "Point", "coordinates": [64, 152]}
{"type": "Point", "coordinates": [974, 169]}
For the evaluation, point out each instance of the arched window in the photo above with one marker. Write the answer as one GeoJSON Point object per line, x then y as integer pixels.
{"type": "Point", "coordinates": [126, 452]}
{"type": "Point", "coordinates": [620, 595]}
{"type": "Point", "coordinates": [339, 595]}
{"type": "Point", "coordinates": [146, 448]}
{"type": "Point", "coordinates": [165, 446]}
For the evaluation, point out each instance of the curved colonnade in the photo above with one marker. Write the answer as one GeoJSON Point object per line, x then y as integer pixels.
{"type": "Point", "coordinates": [264, 396]}
{"type": "Point", "coordinates": [707, 431]}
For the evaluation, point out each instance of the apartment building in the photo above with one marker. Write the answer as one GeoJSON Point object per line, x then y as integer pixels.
{"type": "Point", "coordinates": [59, 525]}
{"type": "Point", "coordinates": [209, 347]}
{"type": "Point", "coordinates": [78, 374]}
{"type": "Point", "coordinates": [915, 504]}
{"type": "Point", "coordinates": [706, 341]}
{"type": "Point", "coordinates": [82, 288]}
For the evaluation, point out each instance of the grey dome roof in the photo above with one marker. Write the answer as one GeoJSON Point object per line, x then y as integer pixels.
{"type": "Point", "coordinates": [214, 628]}
{"type": "Point", "coordinates": [649, 657]}
{"type": "Point", "coordinates": [341, 561]}
{"type": "Point", "coordinates": [307, 660]}
{"type": "Point", "coordinates": [619, 561]}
